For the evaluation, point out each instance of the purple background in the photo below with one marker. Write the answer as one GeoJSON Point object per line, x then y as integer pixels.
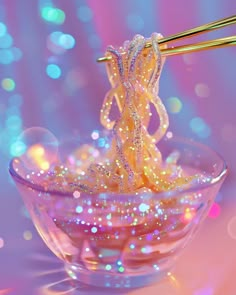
{"type": "Point", "coordinates": [203, 83]}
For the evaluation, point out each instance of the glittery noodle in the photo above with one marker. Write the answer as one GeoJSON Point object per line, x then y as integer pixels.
{"type": "Point", "coordinates": [133, 161]}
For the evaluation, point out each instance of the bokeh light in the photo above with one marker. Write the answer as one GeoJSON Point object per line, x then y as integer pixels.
{"type": "Point", "coordinates": [38, 148]}
{"type": "Point", "coordinates": [66, 41]}
{"type": "Point", "coordinates": [214, 211]}
{"type": "Point", "coordinates": [200, 127]}
{"type": "Point", "coordinates": [53, 71]}
{"type": "Point", "coordinates": [8, 84]}
{"type": "Point", "coordinates": [174, 105]}
{"type": "Point", "coordinates": [84, 13]}
{"type": "Point", "coordinates": [14, 122]}
{"type": "Point", "coordinates": [6, 41]}
{"type": "Point", "coordinates": [58, 42]}
{"type": "Point", "coordinates": [135, 22]}
{"type": "Point", "coordinates": [202, 90]}
{"type": "Point", "coordinates": [53, 15]}
{"type": "Point", "coordinates": [1, 243]}
{"type": "Point", "coordinates": [27, 235]}
{"type": "Point", "coordinates": [94, 41]}
{"type": "Point", "coordinates": [17, 149]}
{"type": "Point", "coordinates": [3, 29]}
{"type": "Point", "coordinates": [6, 56]}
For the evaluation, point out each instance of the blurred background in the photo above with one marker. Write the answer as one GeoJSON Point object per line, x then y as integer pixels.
{"type": "Point", "coordinates": [49, 78]}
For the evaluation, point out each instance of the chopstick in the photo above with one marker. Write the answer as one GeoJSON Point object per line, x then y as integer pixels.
{"type": "Point", "coordinates": [217, 43]}
{"type": "Point", "coordinates": [212, 44]}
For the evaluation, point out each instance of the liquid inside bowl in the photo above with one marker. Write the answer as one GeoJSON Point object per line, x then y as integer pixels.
{"type": "Point", "coordinates": [123, 240]}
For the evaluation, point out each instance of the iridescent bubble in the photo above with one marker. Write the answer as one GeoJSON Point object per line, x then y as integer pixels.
{"type": "Point", "coordinates": [39, 148]}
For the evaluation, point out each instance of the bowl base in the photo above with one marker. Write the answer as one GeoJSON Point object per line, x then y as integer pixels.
{"type": "Point", "coordinates": [113, 281]}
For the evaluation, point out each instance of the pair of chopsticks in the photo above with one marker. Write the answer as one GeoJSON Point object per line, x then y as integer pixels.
{"type": "Point", "coordinates": [216, 43]}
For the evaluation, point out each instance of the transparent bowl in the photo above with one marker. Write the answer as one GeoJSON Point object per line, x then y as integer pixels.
{"type": "Point", "coordinates": [123, 240]}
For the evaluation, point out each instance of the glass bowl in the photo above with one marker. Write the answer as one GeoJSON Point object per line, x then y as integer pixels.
{"type": "Point", "coordinates": [123, 240]}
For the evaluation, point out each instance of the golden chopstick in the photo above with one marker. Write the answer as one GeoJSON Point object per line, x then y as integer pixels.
{"type": "Point", "coordinates": [193, 32]}
{"type": "Point", "coordinates": [216, 43]}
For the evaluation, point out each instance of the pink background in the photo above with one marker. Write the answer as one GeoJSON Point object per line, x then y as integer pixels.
{"type": "Point", "coordinates": [203, 82]}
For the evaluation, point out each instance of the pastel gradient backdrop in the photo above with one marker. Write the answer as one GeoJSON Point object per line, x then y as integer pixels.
{"type": "Point", "coordinates": [49, 78]}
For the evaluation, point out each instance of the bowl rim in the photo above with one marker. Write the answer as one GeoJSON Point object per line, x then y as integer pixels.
{"type": "Point", "coordinates": [163, 194]}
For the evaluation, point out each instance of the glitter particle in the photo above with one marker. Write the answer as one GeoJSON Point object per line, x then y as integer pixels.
{"type": "Point", "coordinates": [79, 209]}
{"type": "Point", "coordinates": [94, 229]}
{"type": "Point", "coordinates": [121, 269]}
{"type": "Point", "coordinates": [108, 267]}
{"type": "Point", "coordinates": [76, 194]}
{"type": "Point", "coordinates": [143, 207]}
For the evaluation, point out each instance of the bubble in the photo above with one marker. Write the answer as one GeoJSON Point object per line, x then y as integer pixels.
{"type": "Point", "coordinates": [231, 228]}
{"type": "Point", "coordinates": [39, 148]}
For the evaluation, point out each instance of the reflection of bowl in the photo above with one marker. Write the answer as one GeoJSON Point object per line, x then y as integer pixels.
{"type": "Point", "coordinates": [123, 240]}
